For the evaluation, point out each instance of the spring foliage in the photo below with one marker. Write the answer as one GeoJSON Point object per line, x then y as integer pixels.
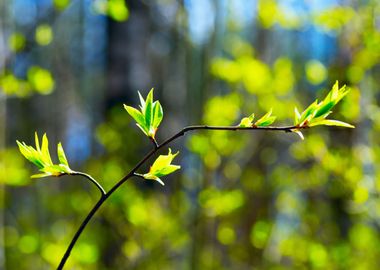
{"type": "Point", "coordinates": [149, 117]}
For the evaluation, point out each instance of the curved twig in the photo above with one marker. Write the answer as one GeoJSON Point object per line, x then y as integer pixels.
{"type": "Point", "coordinates": [89, 177]}
{"type": "Point", "coordinates": [106, 195]}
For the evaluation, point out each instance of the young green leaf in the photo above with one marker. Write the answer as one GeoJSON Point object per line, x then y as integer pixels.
{"type": "Point", "coordinates": [158, 114]}
{"type": "Point", "coordinates": [45, 150]}
{"type": "Point", "coordinates": [329, 122]}
{"type": "Point", "coordinates": [307, 115]}
{"type": "Point", "coordinates": [297, 116]}
{"type": "Point", "coordinates": [61, 155]}
{"type": "Point", "coordinates": [40, 156]}
{"type": "Point", "coordinates": [316, 113]}
{"type": "Point", "coordinates": [150, 115]}
{"type": "Point", "coordinates": [139, 118]}
{"type": "Point", "coordinates": [247, 121]}
{"type": "Point", "coordinates": [161, 167]}
{"type": "Point", "coordinates": [266, 120]}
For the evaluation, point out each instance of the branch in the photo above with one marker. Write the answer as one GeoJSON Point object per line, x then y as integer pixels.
{"type": "Point", "coordinates": [89, 177]}
{"type": "Point", "coordinates": [106, 195]}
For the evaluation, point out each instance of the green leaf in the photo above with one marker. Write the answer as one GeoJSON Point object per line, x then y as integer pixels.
{"type": "Point", "coordinates": [266, 120]}
{"type": "Point", "coordinates": [61, 155]}
{"type": "Point", "coordinates": [245, 122]}
{"type": "Point", "coordinates": [30, 154]}
{"type": "Point", "coordinates": [158, 114]}
{"type": "Point", "coordinates": [162, 166]}
{"type": "Point", "coordinates": [54, 170]}
{"type": "Point", "coordinates": [150, 116]}
{"type": "Point", "coordinates": [324, 109]}
{"type": "Point", "coordinates": [45, 151]}
{"type": "Point", "coordinates": [167, 170]}
{"type": "Point", "coordinates": [297, 116]}
{"type": "Point", "coordinates": [308, 113]}
{"type": "Point", "coordinates": [148, 113]}
{"type": "Point", "coordinates": [37, 142]}
{"type": "Point", "coordinates": [41, 158]}
{"type": "Point", "coordinates": [138, 116]}
{"type": "Point", "coordinates": [142, 102]}
{"type": "Point", "coordinates": [41, 175]}
{"type": "Point", "coordinates": [144, 130]}
{"type": "Point", "coordinates": [329, 122]}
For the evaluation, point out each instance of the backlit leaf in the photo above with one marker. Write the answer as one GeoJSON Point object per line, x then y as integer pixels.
{"type": "Point", "coordinates": [329, 122]}
{"type": "Point", "coordinates": [61, 155]}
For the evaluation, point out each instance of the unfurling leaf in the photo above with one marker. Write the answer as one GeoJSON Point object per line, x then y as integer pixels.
{"type": "Point", "coordinates": [161, 167]}
{"type": "Point", "coordinates": [150, 115]}
{"type": "Point", "coordinates": [266, 120]}
{"type": "Point", "coordinates": [247, 121]}
{"type": "Point", "coordinates": [40, 156]}
{"type": "Point", "coordinates": [61, 155]}
{"type": "Point", "coordinates": [329, 122]}
{"type": "Point", "coordinates": [297, 116]}
{"type": "Point", "coordinates": [316, 113]}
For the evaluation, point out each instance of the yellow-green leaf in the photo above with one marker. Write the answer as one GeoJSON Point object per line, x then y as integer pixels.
{"type": "Point", "coordinates": [139, 118]}
{"type": "Point", "coordinates": [45, 150]}
{"type": "Point", "coordinates": [158, 114]}
{"type": "Point", "coordinates": [61, 155]}
{"type": "Point", "coordinates": [329, 122]}
{"type": "Point", "coordinates": [245, 122]}
{"type": "Point", "coordinates": [41, 175]}
{"type": "Point", "coordinates": [148, 113]}
{"type": "Point", "coordinates": [266, 120]}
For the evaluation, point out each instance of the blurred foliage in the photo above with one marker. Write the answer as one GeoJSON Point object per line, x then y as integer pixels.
{"type": "Point", "coordinates": [243, 201]}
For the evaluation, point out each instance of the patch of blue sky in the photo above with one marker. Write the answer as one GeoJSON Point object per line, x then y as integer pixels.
{"type": "Point", "coordinates": [201, 16]}
{"type": "Point", "coordinates": [24, 12]}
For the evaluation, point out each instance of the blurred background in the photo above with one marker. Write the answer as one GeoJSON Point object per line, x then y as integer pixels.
{"type": "Point", "coordinates": [249, 200]}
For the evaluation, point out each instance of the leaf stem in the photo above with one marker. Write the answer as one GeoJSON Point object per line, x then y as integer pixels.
{"type": "Point", "coordinates": [153, 140]}
{"type": "Point", "coordinates": [106, 195]}
{"type": "Point", "coordinates": [89, 177]}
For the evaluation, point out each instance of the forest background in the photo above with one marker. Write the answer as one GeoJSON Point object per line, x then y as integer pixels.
{"type": "Point", "coordinates": [259, 200]}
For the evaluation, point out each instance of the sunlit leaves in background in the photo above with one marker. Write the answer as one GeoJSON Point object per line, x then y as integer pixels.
{"type": "Point", "coordinates": [315, 207]}
{"type": "Point", "coordinates": [316, 72]}
{"type": "Point", "coordinates": [334, 18]}
{"type": "Point", "coordinates": [150, 115]}
{"type": "Point", "coordinates": [13, 168]}
{"type": "Point", "coordinates": [41, 80]}
{"type": "Point", "coordinates": [44, 34]}
{"type": "Point", "coordinates": [61, 4]}
{"type": "Point", "coordinates": [40, 156]}
{"type": "Point", "coordinates": [16, 42]}
{"type": "Point", "coordinates": [115, 9]}
{"type": "Point", "coordinates": [38, 80]}
{"type": "Point", "coordinates": [162, 166]}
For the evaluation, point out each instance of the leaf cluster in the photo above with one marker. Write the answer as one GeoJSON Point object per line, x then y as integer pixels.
{"type": "Point", "coordinates": [150, 115]}
{"type": "Point", "coordinates": [316, 113]}
{"type": "Point", "coordinates": [161, 167]}
{"type": "Point", "coordinates": [40, 156]}
{"type": "Point", "coordinates": [264, 121]}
